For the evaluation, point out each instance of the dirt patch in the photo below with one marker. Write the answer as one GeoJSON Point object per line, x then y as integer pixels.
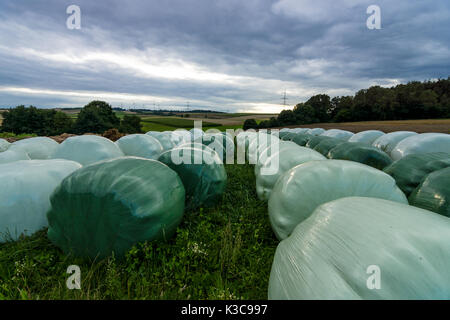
{"type": "Point", "coordinates": [419, 126]}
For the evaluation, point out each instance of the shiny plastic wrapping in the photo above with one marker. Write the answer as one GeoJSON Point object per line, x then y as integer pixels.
{"type": "Point", "coordinates": [315, 131]}
{"type": "Point", "coordinates": [409, 171]}
{"type": "Point", "coordinates": [362, 153]}
{"type": "Point", "coordinates": [314, 141]}
{"type": "Point", "coordinates": [278, 163]}
{"type": "Point", "coordinates": [364, 248]}
{"type": "Point", "coordinates": [39, 148]}
{"type": "Point", "coordinates": [434, 192]}
{"type": "Point", "coordinates": [302, 189]}
{"type": "Point", "coordinates": [388, 141]}
{"type": "Point", "coordinates": [326, 145]}
{"type": "Point", "coordinates": [25, 189]}
{"type": "Point", "coordinates": [202, 173]}
{"type": "Point", "coordinates": [87, 149]}
{"type": "Point", "coordinates": [422, 143]}
{"type": "Point", "coordinates": [302, 139]}
{"type": "Point", "coordinates": [367, 137]}
{"type": "Point", "coordinates": [9, 156]}
{"type": "Point", "coordinates": [109, 206]}
{"type": "Point", "coordinates": [337, 133]}
{"type": "Point", "coordinates": [4, 145]}
{"type": "Point", "coordinates": [164, 138]}
{"type": "Point", "coordinates": [140, 145]}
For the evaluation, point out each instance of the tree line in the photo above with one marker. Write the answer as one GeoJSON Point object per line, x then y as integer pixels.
{"type": "Point", "coordinates": [95, 117]}
{"type": "Point", "coordinates": [414, 100]}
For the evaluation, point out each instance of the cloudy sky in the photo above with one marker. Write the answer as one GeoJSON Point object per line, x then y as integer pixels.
{"type": "Point", "coordinates": [228, 55]}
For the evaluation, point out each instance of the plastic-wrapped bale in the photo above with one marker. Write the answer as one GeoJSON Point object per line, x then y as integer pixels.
{"type": "Point", "coordinates": [283, 134]}
{"type": "Point", "coordinates": [163, 138]}
{"type": "Point", "coordinates": [300, 130]}
{"type": "Point", "coordinates": [279, 163]}
{"type": "Point", "coordinates": [363, 248]}
{"type": "Point", "coordinates": [25, 191]}
{"type": "Point", "coordinates": [259, 144]}
{"type": "Point", "coordinates": [362, 153]}
{"type": "Point", "coordinates": [326, 145]}
{"type": "Point", "coordinates": [289, 136]}
{"type": "Point", "coordinates": [422, 143]}
{"type": "Point", "coordinates": [271, 150]}
{"type": "Point", "coordinates": [9, 156]}
{"type": "Point", "coordinates": [196, 134]}
{"type": "Point", "coordinates": [175, 138]}
{"type": "Point", "coordinates": [302, 189]}
{"type": "Point", "coordinates": [202, 173]}
{"type": "Point", "coordinates": [39, 148]}
{"type": "Point", "coordinates": [109, 206]}
{"type": "Point", "coordinates": [87, 149]}
{"type": "Point", "coordinates": [388, 141]}
{"type": "Point", "coordinates": [409, 171]}
{"type": "Point", "coordinates": [140, 145]}
{"type": "Point", "coordinates": [337, 133]}
{"type": "Point", "coordinates": [367, 137]}
{"type": "Point", "coordinates": [221, 143]}
{"type": "Point", "coordinates": [4, 145]}
{"type": "Point", "coordinates": [434, 193]}
{"type": "Point", "coordinates": [314, 141]}
{"type": "Point", "coordinates": [315, 131]}
{"type": "Point", "coordinates": [302, 139]}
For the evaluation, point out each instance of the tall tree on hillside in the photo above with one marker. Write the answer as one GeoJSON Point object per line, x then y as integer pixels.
{"type": "Point", "coordinates": [96, 117]}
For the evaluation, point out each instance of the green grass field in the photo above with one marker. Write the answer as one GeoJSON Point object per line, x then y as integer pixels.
{"type": "Point", "coordinates": [223, 252]}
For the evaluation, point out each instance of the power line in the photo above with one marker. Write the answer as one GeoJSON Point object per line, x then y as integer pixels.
{"type": "Point", "coordinates": [285, 99]}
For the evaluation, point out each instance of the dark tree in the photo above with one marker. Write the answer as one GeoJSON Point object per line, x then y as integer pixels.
{"type": "Point", "coordinates": [96, 117]}
{"type": "Point", "coordinates": [131, 124]}
{"type": "Point", "coordinates": [250, 124]}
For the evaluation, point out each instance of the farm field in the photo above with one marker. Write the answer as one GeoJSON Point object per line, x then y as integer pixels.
{"type": "Point", "coordinates": [225, 252]}
{"type": "Point", "coordinates": [420, 126]}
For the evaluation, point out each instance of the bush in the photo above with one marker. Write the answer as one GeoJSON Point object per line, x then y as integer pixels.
{"type": "Point", "coordinates": [131, 124]}
{"type": "Point", "coordinates": [42, 122]}
{"type": "Point", "coordinates": [96, 117]}
{"type": "Point", "coordinates": [250, 124]}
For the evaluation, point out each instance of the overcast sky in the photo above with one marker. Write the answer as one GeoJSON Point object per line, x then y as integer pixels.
{"type": "Point", "coordinates": [228, 55]}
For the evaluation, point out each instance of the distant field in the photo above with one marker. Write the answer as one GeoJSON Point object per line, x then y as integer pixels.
{"type": "Point", "coordinates": [420, 126]}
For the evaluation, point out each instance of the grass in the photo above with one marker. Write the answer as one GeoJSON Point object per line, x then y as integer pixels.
{"type": "Point", "coordinates": [5, 135]}
{"type": "Point", "coordinates": [223, 252]}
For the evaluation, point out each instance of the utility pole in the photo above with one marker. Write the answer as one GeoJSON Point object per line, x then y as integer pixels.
{"type": "Point", "coordinates": [285, 99]}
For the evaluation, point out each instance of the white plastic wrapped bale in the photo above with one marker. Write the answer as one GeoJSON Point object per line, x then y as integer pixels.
{"type": "Point", "coordinates": [367, 137]}
{"type": "Point", "coordinates": [25, 191]}
{"type": "Point", "coordinates": [39, 148]}
{"type": "Point", "coordinates": [9, 156]}
{"type": "Point", "coordinates": [277, 164]}
{"type": "Point", "coordinates": [185, 136]}
{"type": "Point", "coordinates": [364, 248]}
{"type": "Point", "coordinates": [163, 138]}
{"type": "Point", "coordinates": [269, 151]}
{"type": "Point", "coordinates": [4, 145]}
{"type": "Point", "coordinates": [339, 134]}
{"type": "Point", "coordinates": [87, 149]}
{"type": "Point", "coordinates": [388, 141]}
{"type": "Point", "coordinates": [197, 134]}
{"type": "Point", "coordinates": [302, 189]}
{"type": "Point", "coordinates": [300, 130]}
{"type": "Point", "coordinates": [422, 143]}
{"type": "Point", "coordinates": [259, 144]}
{"type": "Point", "coordinates": [315, 131]}
{"type": "Point", "coordinates": [140, 145]}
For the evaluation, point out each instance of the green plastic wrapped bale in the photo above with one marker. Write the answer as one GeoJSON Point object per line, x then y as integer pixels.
{"type": "Point", "coordinates": [302, 139]}
{"type": "Point", "coordinates": [315, 131]}
{"type": "Point", "coordinates": [109, 206]}
{"type": "Point", "coordinates": [434, 193]}
{"type": "Point", "coordinates": [270, 151]}
{"type": "Point", "coordinates": [25, 189]}
{"type": "Point", "coordinates": [362, 153]}
{"type": "Point", "coordinates": [278, 163]}
{"type": "Point", "coordinates": [140, 145]}
{"type": "Point", "coordinates": [314, 141]}
{"type": "Point", "coordinates": [87, 149]}
{"type": "Point", "coordinates": [203, 174]}
{"type": "Point", "coordinates": [4, 145]}
{"type": "Point", "coordinates": [289, 136]}
{"type": "Point", "coordinates": [302, 189]}
{"type": "Point", "coordinates": [283, 134]}
{"type": "Point", "coordinates": [326, 145]}
{"type": "Point", "coordinates": [364, 248]}
{"type": "Point", "coordinates": [39, 148]}
{"type": "Point", "coordinates": [367, 137]}
{"type": "Point", "coordinates": [409, 171]}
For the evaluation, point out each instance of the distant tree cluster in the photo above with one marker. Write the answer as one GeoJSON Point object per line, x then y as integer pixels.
{"type": "Point", "coordinates": [96, 117]}
{"type": "Point", "coordinates": [415, 100]}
